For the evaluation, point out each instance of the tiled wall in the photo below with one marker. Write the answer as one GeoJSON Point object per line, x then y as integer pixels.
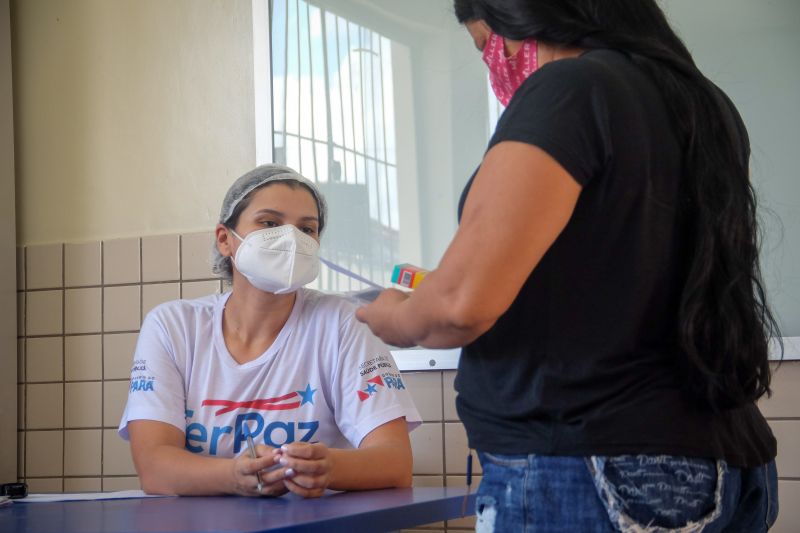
{"type": "Point", "coordinates": [80, 307]}
{"type": "Point", "coordinates": [440, 443]}
{"type": "Point", "coordinates": [783, 413]}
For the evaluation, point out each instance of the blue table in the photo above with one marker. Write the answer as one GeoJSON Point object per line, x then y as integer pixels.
{"type": "Point", "coordinates": [369, 511]}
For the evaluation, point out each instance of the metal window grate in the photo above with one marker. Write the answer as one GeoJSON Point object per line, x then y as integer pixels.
{"type": "Point", "coordinates": [333, 120]}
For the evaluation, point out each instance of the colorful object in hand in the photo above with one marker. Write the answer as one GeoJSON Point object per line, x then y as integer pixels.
{"type": "Point", "coordinates": [408, 275]}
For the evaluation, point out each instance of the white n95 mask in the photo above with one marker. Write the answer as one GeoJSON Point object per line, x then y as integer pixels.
{"type": "Point", "coordinates": [278, 260]}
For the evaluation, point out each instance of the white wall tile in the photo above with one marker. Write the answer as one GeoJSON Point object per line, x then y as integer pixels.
{"type": "Point", "coordinates": [456, 450]}
{"type": "Point", "coordinates": [83, 404]}
{"type": "Point", "coordinates": [82, 264]}
{"type": "Point", "coordinates": [117, 460]}
{"type": "Point", "coordinates": [121, 261]}
{"type": "Point", "coordinates": [787, 432]}
{"type": "Point", "coordinates": [83, 310]}
{"type": "Point", "coordinates": [161, 258]}
{"type": "Point", "coordinates": [82, 452]}
{"type": "Point", "coordinates": [20, 406]}
{"type": "Point", "coordinates": [788, 507]}
{"type": "Point", "coordinates": [426, 444]}
{"type": "Point", "coordinates": [20, 268]}
{"type": "Point", "coordinates": [197, 289]}
{"type": "Point", "coordinates": [158, 293]}
{"type": "Point", "coordinates": [43, 264]}
{"type": "Point", "coordinates": [44, 485]}
{"type": "Point", "coordinates": [118, 351]}
{"type": "Point", "coordinates": [449, 395]}
{"type": "Point", "coordinates": [115, 396]}
{"type": "Point", "coordinates": [20, 454]}
{"type": "Point", "coordinates": [82, 484]}
{"type": "Point", "coordinates": [427, 481]}
{"type": "Point", "coordinates": [83, 357]}
{"type": "Point", "coordinates": [121, 308]}
{"type": "Point", "coordinates": [20, 360]}
{"type": "Point", "coordinates": [113, 484]}
{"type": "Point", "coordinates": [45, 406]}
{"type": "Point", "coordinates": [785, 401]}
{"type": "Point", "coordinates": [20, 314]}
{"type": "Point", "coordinates": [43, 454]}
{"type": "Point", "coordinates": [196, 255]}
{"type": "Point", "coordinates": [43, 359]}
{"type": "Point", "coordinates": [43, 313]}
{"type": "Point", "coordinates": [426, 390]}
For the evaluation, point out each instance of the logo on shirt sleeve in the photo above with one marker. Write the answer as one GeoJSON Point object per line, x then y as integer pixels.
{"type": "Point", "coordinates": [140, 381]}
{"type": "Point", "coordinates": [142, 384]}
{"type": "Point", "coordinates": [374, 365]}
{"type": "Point", "coordinates": [386, 380]}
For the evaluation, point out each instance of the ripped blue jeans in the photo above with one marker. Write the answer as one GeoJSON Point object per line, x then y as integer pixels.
{"type": "Point", "coordinates": [627, 493]}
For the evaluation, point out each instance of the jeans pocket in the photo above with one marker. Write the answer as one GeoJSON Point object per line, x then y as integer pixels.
{"type": "Point", "coordinates": [646, 493]}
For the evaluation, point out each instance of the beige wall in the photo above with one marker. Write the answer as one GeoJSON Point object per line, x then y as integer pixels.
{"type": "Point", "coordinates": [8, 401]}
{"type": "Point", "coordinates": [132, 116]}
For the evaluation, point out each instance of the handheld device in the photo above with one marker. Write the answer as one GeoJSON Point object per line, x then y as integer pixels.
{"type": "Point", "coordinates": [252, 448]}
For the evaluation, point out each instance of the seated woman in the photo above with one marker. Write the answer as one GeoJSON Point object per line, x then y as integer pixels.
{"type": "Point", "coordinates": [288, 366]}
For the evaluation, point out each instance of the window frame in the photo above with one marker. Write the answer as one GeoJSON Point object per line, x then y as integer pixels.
{"type": "Point", "coordinates": [408, 359]}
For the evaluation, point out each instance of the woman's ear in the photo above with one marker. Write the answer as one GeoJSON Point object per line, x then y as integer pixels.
{"type": "Point", "coordinates": [224, 244]}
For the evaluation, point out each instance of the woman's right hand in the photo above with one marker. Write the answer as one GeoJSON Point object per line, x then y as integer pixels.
{"type": "Point", "coordinates": [245, 482]}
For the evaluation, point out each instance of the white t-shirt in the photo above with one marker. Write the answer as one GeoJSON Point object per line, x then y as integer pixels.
{"type": "Point", "coordinates": [326, 378]}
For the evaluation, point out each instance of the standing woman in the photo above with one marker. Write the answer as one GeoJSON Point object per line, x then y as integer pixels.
{"type": "Point", "coordinates": [604, 282]}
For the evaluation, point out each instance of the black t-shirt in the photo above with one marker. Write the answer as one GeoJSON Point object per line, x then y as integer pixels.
{"type": "Point", "coordinates": [584, 362]}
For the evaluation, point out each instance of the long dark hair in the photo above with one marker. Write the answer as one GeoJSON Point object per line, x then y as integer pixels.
{"type": "Point", "coordinates": [724, 323]}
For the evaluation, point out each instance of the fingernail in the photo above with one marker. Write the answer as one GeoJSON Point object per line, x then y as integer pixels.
{"type": "Point", "coordinates": [289, 473]}
{"type": "Point", "coordinates": [284, 461]}
{"type": "Point", "coordinates": [285, 448]}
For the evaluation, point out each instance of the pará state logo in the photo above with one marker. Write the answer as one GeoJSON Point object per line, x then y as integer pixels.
{"type": "Point", "coordinates": [143, 384]}
{"type": "Point", "coordinates": [386, 380]}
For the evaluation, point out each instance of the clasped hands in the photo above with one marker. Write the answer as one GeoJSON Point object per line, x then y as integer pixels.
{"type": "Point", "coordinates": [299, 467]}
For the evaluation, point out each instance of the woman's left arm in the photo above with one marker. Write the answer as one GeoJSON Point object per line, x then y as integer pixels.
{"type": "Point", "coordinates": [382, 460]}
{"type": "Point", "coordinates": [520, 201]}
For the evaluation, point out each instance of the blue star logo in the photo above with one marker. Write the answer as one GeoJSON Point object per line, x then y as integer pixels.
{"type": "Point", "coordinates": [307, 396]}
{"type": "Point", "coordinates": [371, 389]}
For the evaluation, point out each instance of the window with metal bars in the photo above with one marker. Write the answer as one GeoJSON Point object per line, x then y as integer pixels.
{"type": "Point", "coordinates": [333, 120]}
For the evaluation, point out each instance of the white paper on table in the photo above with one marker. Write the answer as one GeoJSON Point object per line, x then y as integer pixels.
{"type": "Point", "coordinates": [86, 496]}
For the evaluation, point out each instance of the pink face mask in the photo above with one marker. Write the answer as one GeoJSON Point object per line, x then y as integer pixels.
{"type": "Point", "coordinates": [506, 74]}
